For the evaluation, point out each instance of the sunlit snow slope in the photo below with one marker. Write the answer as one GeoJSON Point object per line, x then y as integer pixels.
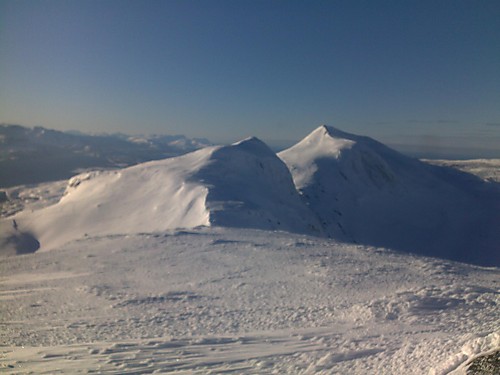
{"type": "Point", "coordinates": [241, 185]}
{"type": "Point", "coordinates": [242, 301]}
{"type": "Point", "coordinates": [349, 187]}
{"type": "Point", "coordinates": [367, 193]}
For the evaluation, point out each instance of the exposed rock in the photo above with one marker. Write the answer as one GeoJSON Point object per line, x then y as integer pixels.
{"type": "Point", "coordinates": [485, 365]}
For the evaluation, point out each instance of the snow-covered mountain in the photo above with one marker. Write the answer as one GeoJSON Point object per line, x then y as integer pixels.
{"type": "Point", "coordinates": [241, 185]}
{"type": "Point", "coordinates": [33, 155]}
{"type": "Point", "coordinates": [367, 193]}
{"type": "Point", "coordinates": [128, 290]}
{"type": "Point", "coordinates": [249, 186]}
{"type": "Point", "coordinates": [348, 187]}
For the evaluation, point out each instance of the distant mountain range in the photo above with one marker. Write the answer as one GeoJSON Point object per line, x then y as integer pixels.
{"type": "Point", "coordinates": [332, 183]}
{"type": "Point", "coordinates": [32, 155]}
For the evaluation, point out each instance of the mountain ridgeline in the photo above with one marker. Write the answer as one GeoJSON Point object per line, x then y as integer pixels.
{"type": "Point", "coordinates": [33, 155]}
{"type": "Point", "coordinates": [367, 193]}
{"type": "Point", "coordinates": [348, 187]}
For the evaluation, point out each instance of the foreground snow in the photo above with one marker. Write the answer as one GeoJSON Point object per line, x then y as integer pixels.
{"type": "Point", "coordinates": [217, 300]}
{"type": "Point", "coordinates": [117, 287]}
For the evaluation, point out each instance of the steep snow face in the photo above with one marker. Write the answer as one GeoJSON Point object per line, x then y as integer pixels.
{"type": "Point", "coordinates": [241, 185]}
{"type": "Point", "coordinates": [250, 187]}
{"type": "Point", "coordinates": [369, 163]}
{"type": "Point", "coordinates": [368, 193]}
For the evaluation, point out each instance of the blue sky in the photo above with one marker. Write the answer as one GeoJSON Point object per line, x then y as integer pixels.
{"type": "Point", "coordinates": [421, 73]}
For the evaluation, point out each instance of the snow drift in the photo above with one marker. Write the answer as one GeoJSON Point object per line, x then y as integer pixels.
{"type": "Point", "coordinates": [241, 185]}
{"type": "Point", "coordinates": [365, 192]}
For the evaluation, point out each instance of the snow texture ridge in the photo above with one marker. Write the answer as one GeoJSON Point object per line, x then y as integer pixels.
{"type": "Point", "coordinates": [242, 301]}
{"type": "Point", "coordinates": [365, 192]}
{"type": "Point", "coordinates": [129, 289]}
{"type": "Point", "coordinates": [241, 185]}
{"type": "Point", "coordinates": [348, 187]}
{"type": "Point", "coordinates": [250, 187]}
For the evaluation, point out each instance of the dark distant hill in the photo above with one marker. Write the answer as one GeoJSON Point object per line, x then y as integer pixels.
{"type": "Point", "coordinates": [33, 155]}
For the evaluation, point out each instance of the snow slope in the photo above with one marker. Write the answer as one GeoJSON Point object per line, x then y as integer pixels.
{"type": "Point", "coordinates": [123, 292]}
{"type": "Point", "coordinates": [239, 301]}
{"type": "Point", "coordinates": [487, 169]}
{"type": "Point", "coordinates": [241, 185]}
{"type": "Point", "coordinates": [365, 192]}
{"type": "Point", "coordinates": [352, 188]}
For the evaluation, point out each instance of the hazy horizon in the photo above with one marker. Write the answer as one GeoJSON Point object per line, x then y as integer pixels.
{"type": "Point", "coordinates": [406, 73]}
{"type": "Point", "coordinates": [426, 147]}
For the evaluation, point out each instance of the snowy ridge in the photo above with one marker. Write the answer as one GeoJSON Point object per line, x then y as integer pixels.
{"type": "Point", "coordinates": [348, 187]}
{"type": "Point", "coordinates": [126, 291]}
{"type": "Point", "coordinates": [149, 197]}
{"type": "Point", "coordinates": [250, 187]}
{"type": "Point", "coordinates": [241, 185]}
{"type": "Point", "coordinates": [367, 193]}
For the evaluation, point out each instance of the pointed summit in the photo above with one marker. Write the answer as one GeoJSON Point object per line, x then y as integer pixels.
{"type": "Point", "coordinates": [252, 145]}
{"type": "Point", "coordinates": [328, 140]}
{"type": "Point", "coordinates": [323, 141]}
{"type": "Point", "coordinates": [331, 131]}
{"type": "Point", "coordinates": [367, 160]}
{"type": "Point", "coordinates": [365, 192]}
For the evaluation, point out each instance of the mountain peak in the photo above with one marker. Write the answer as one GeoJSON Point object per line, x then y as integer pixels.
{"type": "Point", "coordinates": [333, 132]}
{"type": "Point", "coordinates": [250, 142]}
{"type": "Point", "coordinates": [253, 145]}
{"type": "Point", "coordinates": [324, 140]}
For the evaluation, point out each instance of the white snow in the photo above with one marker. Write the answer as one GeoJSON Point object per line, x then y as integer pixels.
{"type": "Point", "coordinates": [487, 169]}
{"type": "Point", "coordinates": [215, 300]}
{"type": "Point", "coordinates": [241, 185]}
{"type": "Point", "coordinates": [217, 262]}
{"type": "Point", "coordinates": [367, 193]}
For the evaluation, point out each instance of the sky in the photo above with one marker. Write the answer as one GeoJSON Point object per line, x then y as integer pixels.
{"type": "Point", "coordinates": [418, 74]}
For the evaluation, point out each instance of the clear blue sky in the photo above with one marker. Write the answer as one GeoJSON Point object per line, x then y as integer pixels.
{"type": "Point", "coordinates": [401, 71]}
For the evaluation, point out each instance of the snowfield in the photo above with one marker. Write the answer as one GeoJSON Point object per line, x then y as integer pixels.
{"type": "Point", "coordinates": [220, 300]}
{"type": "Point", "coordinates": [337, 256]}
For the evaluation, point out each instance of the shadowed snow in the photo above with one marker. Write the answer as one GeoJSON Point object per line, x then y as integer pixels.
{"type": "Point", "coordinates": [365, 192]}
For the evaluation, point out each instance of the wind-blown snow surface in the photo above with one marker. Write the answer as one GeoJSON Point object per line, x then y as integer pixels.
{"type": "Point", "coordinates": [242, 185]}
{"type": "Point", "coordinates": [217, 300]}
{"type": "Point", "coordinates": [365, 192]}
